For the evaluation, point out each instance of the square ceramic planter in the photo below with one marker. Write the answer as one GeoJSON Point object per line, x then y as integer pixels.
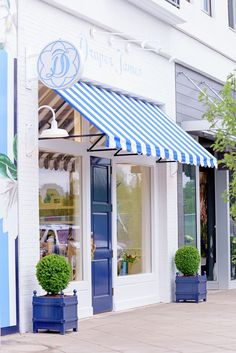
{"type": "Point", "coordinates": [191, 288]}
{"type": "Point", "coordinates": [56, 313]}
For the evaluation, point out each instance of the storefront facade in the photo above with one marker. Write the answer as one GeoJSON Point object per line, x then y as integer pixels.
{"type": "Point", "coordinates": [100, 187]}
{"type": "Point", "coordinates": [96, 208]}
{"type": "Point", "coordinates": [204, 217]}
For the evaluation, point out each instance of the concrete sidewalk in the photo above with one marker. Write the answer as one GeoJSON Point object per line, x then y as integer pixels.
{"type": "Point", "coordinates": [184, 327]}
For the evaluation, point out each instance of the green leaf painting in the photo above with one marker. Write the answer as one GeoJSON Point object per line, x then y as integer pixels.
{"type": "Point", "coordinates": [15, 148]}
{"type": "Point", "coordinates": [7, 167]}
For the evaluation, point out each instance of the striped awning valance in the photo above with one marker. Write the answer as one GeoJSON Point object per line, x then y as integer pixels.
{"type": "Point", "coordinates": [57, 161]}
{"type": "Point", "coordinates": [136, 126]}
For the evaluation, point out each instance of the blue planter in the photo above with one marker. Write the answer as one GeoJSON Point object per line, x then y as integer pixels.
{"type": "Point", "coordinates": [57, 313]}
{"type": "Point", "coordinates": [191, 288]}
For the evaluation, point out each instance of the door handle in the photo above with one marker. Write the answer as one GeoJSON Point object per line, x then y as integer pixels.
{"type": "Point", "coordinates": [93, 248]}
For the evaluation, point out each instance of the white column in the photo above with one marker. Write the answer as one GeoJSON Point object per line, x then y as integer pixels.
{"type": "Point", "coordinates": [27, 176]}
{"type": "Point", "coordinates": [222, 229]}
{"type": "Point", "coordinates": [167, 228]}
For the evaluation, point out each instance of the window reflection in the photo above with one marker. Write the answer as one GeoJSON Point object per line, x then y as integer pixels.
{"type": "Point", "coordinates": [206, 6]}
{"type": "Point", "coordinates": [133, 219]}
{"type": "Point", "coordinates": [232, 13]}
{"type": "Point", "coordinates": [59, 209]}
{"type": "Point", "coordinates": [189, 199]}
{"type": "Point", "coordinates": [232, 239]}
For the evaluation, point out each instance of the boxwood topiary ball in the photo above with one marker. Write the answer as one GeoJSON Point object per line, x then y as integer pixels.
{"type": "Point", "coordinates": [187, 260]}
{"type": "Point", "coordinates": [53, 273]}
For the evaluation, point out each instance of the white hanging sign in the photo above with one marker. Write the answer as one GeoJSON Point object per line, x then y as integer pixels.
{"type": "Point", "coordinates": [59, 65]}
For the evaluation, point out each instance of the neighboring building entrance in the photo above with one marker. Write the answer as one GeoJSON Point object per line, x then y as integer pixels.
{"type": "Point", "coordinates": [207, 214]}
{"type": "Point", "coordinates": [101, 245]}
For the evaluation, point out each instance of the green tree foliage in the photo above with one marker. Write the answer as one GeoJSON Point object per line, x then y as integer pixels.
{"type": "Point", "coordinates": [222, 115]}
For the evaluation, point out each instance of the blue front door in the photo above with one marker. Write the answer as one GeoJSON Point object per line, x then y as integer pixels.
{"type": "Point", "coordinates": [101, 245]}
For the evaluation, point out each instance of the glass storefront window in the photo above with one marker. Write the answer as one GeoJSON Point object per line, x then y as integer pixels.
{"type": "Point", "coordinates": [232, 240]}
{"type": "Point", "coordinates": [60, 209]}
{"type": "Point", "coordinates": [233, 249]}
{"type": "Point", "coordinates": [207, 222]}
{"type": "Point", "coordinates": [204, 222]}
{"type": "Point", "coordinates": [189, 204]}
{"type": "Point", "coordinates": [133, 219]}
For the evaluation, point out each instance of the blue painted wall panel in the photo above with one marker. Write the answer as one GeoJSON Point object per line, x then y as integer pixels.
{"type": "Point", "coordinates": [3, 101]}
{"type": "Point", "coordinates": [4, 279]}
{"type": "Point", "coordinates": [4, 268]}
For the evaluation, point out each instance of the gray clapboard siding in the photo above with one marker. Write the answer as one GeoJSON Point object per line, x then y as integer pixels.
{"type": "Point", "coordinates": [188, 106]}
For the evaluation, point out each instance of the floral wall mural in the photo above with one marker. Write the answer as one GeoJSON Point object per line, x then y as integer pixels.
{"type": "Point", "coordinates": [8, 192]}
{"type": "Point", "coordinates": [8, 168]}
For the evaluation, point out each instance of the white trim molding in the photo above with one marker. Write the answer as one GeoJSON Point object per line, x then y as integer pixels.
{"type": "Point", "coordinates": [199, 125]}
{"type": "Point", "coordinates": [160, 9]}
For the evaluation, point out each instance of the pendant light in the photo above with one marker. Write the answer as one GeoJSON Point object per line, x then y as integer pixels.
{"type": "Point", "coordinates": [53, 131]}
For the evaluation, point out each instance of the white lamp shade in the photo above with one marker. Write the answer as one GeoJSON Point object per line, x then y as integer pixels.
{"type": "Point", "coordinates": [54, 131]}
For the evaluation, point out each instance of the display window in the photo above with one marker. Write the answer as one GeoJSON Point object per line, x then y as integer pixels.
{"type": "Point", "coordinates": [189, 204]}
{"type": "Point", "coordinates": [133, 219]}
{"type": "Point", "coordinates": [232, 239]}
{"type": "Point", "coordinates": [60, 209]}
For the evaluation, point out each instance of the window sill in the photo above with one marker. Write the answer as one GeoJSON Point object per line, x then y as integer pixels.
{"type": "Point", "coordinates": [133, 279]}
{"type": "Point", "coordinates": [207, 13]}
{"type": "Point", "coordinates": [232, 29]}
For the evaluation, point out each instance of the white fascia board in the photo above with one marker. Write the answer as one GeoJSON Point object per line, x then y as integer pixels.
{"type": "Point", "coordinates": [160, 9]}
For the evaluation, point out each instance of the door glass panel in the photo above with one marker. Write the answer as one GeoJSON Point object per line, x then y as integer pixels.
{"type": "Point", "coordinates": [100, 184]}
{"type": "Point", "coordinates": [133, 219]}
{"type": "Point", "coordinates": [232, 241]}
{"type": "Point", "coordinates": [207, 217]}
{"type": "Point", "coordinates": [60, 209]}
{"type": "Point", "coordinates": [189, 201]}
{"type": "Point", "coordinates": [233, 249]}
{"type": "Point", "coordinates": [203, 216]}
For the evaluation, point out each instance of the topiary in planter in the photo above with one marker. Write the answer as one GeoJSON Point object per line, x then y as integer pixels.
{"type": "Point", "coordinates": [53, 273]}
{"type": "Point", "coordinates": [191, 286]}
{"type": "Point", "coordinates": [187, 260]}
{"type": "Point", "coordinates": [57, 312]}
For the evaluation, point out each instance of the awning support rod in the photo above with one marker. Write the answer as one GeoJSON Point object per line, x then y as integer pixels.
{"type": "Point", "coordinates": [161, 161]}
{"type": "Point", "coordinates": [117, 154]}
{"type": "Point", "coordinates": [196, 86]}
{"type": "Point", "coordinates": [212, 90]}
{"type": "Point", "coordinates": [91, 148]}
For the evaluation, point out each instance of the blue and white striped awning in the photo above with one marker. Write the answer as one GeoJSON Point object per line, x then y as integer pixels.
{"type": "Point", "coordinates": [136, 126]}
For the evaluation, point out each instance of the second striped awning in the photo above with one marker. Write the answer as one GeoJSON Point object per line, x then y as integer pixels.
{"type": "Point", "coordinates": [136, 126]}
